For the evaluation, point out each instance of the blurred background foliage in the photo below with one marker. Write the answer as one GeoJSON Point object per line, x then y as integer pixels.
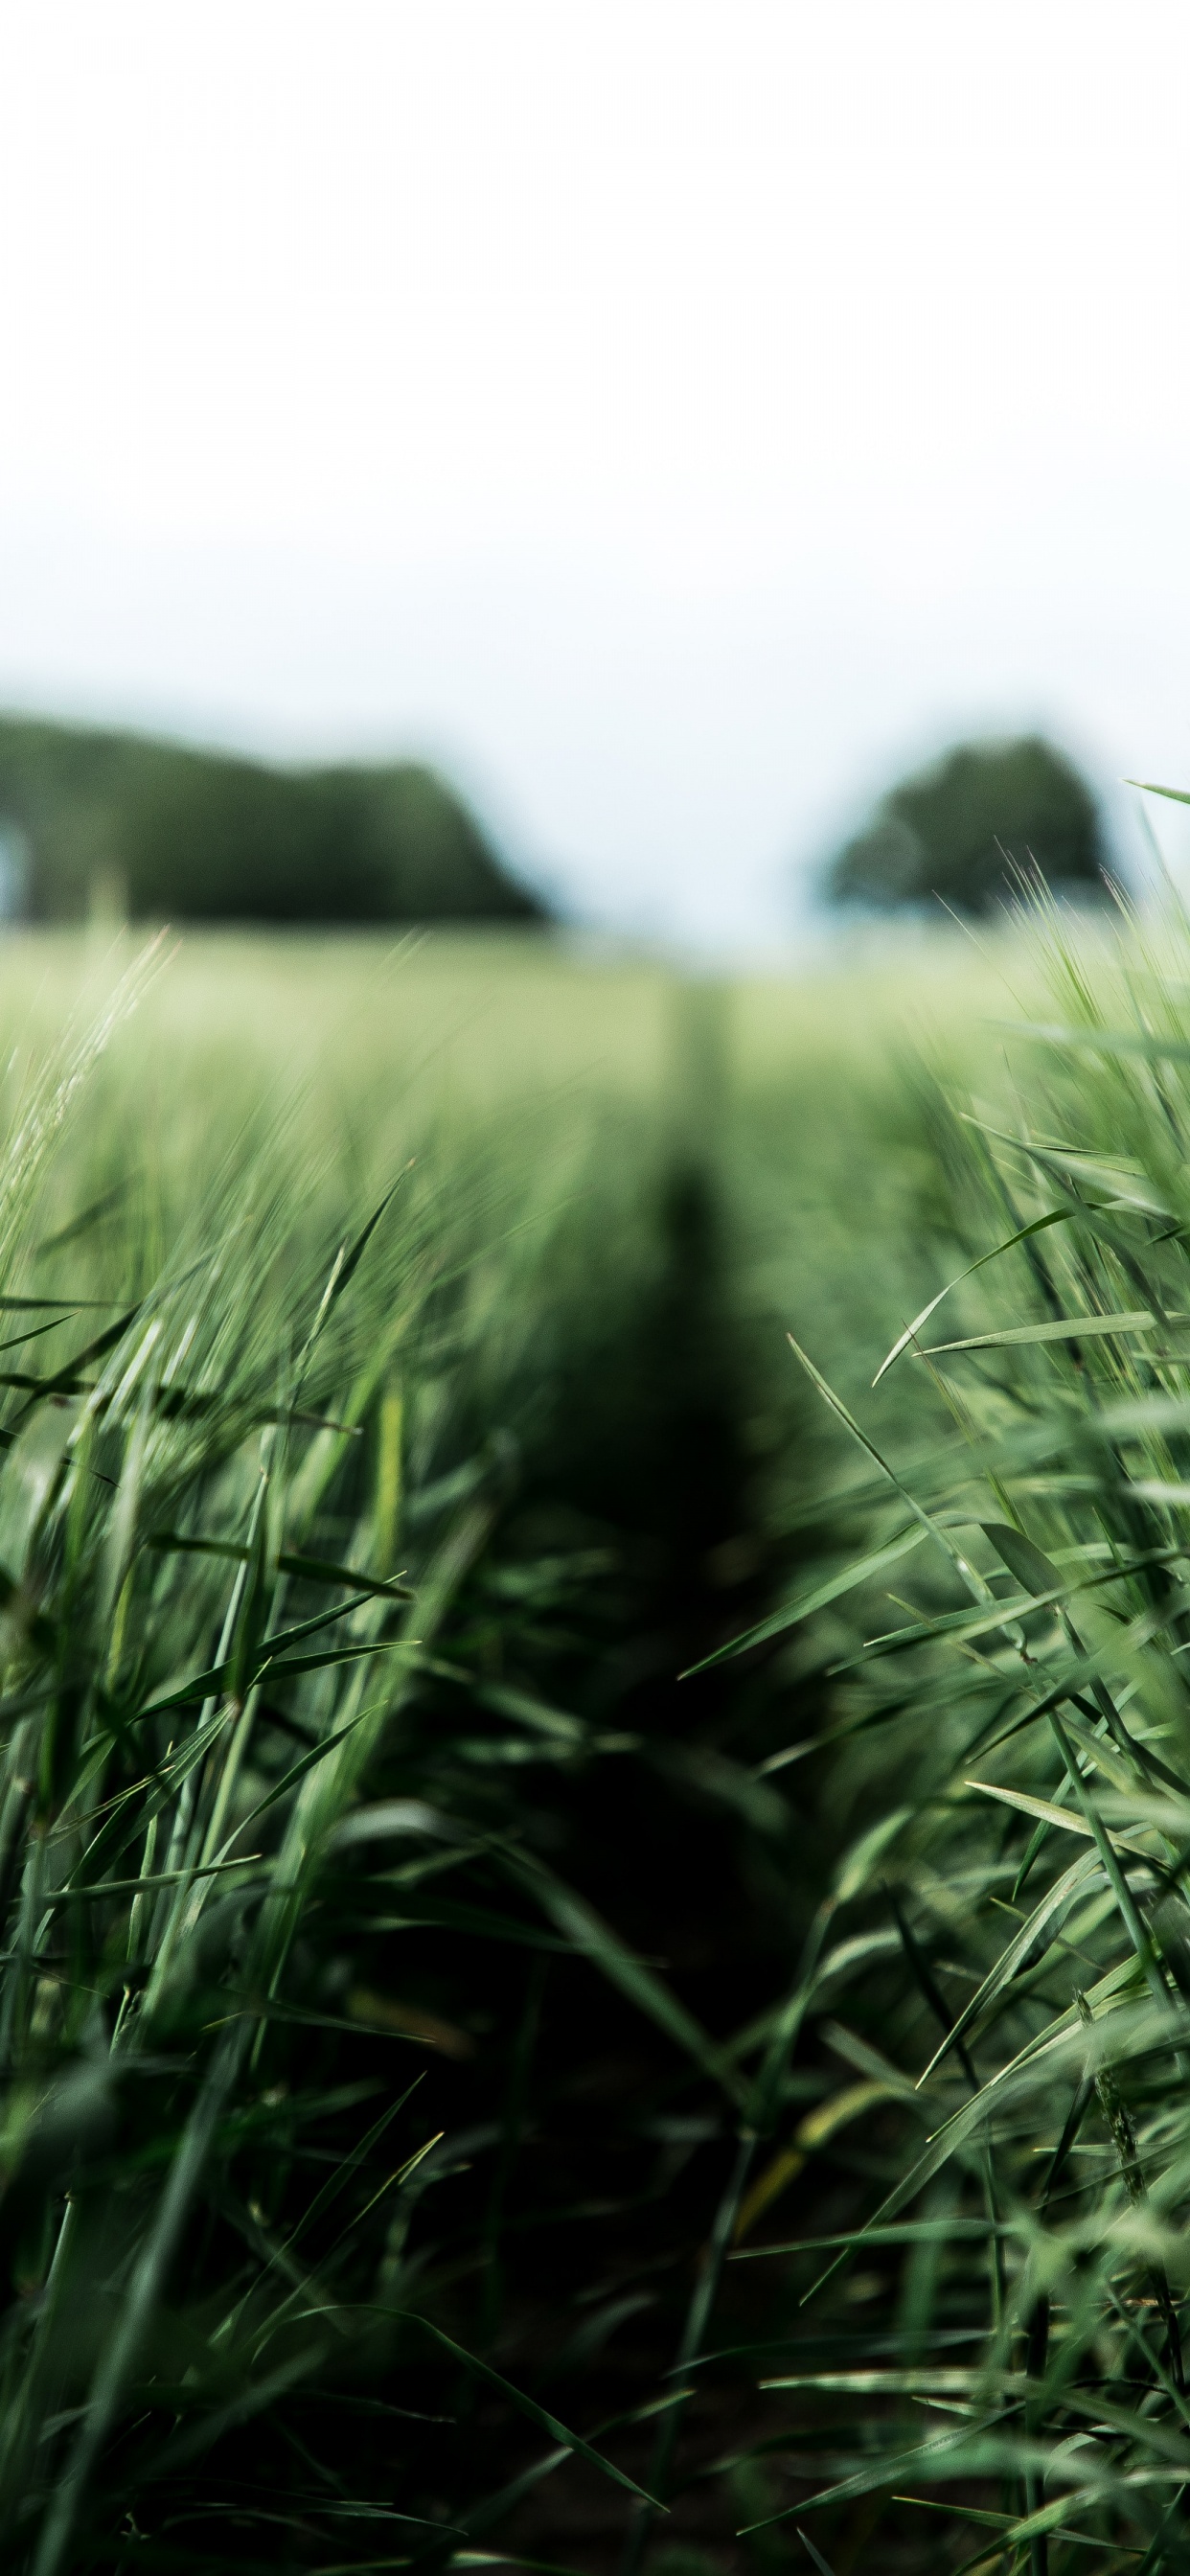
{"type": "Point", "coordinates": [971, 827]}
{"type": "Point", "coordinates": [121, 826]}
{"type": "Point", "coordinates": [125, 826]}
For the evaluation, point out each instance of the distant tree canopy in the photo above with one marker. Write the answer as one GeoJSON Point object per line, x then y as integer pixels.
{"type": "Point", "coordinates": [92, 819]}
{"type": "Point", "coordinates": [959, 828]}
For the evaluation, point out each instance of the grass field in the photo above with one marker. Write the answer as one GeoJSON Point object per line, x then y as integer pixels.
{"type": "Point", "coordinates": [420, 2007]}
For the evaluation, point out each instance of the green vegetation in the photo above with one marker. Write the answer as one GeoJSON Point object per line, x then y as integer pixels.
{"type": "Point", "coordinates": [458, 2075]}
{"type": "Point", "coordinates": [972, 828]}
{"type": "Point", "coordinates": [122, 825]}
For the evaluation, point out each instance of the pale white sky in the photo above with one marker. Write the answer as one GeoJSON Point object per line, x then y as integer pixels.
{"type": "Point", "coordinates": [672, 415]}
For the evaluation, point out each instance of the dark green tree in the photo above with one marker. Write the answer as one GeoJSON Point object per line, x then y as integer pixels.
{"type": "Point", "coordinates": [967, 827]}
{"type": "Point", "coordinates": [160, 831]}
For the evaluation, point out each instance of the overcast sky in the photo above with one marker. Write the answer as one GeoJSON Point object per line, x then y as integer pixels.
{"type": "Point", "coordinates": [673, 416]}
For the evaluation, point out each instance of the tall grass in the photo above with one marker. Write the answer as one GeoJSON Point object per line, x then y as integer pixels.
{"type": "Point", "coordinates": [201, 1642]}
{"type": "Point", "coordinates": [348, 1557]}
{"type": "Point", "coordinates": [412, 1993]}
{"type": "Point", "coordinates": [984, 2312]}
